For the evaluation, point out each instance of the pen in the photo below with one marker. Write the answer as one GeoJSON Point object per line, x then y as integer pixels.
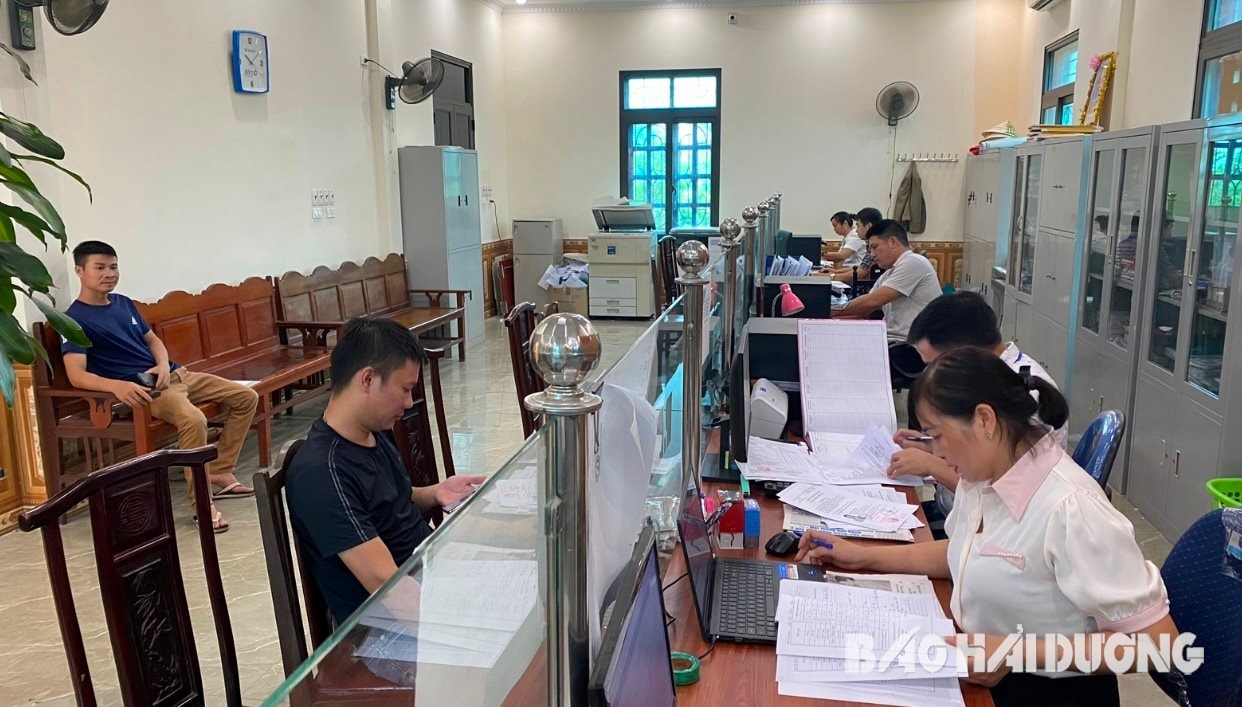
{"type": "Point", "coordinates": [821, 543]}
{"type": "Point", "coordinates": [919, 438]}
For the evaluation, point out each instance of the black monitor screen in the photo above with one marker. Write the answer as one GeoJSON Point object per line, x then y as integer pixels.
{"type": "Point", "coordinates": [696, 543]}
{"type": "Point", "coordinates": [633, 668]}
{"type": "Point", "coordinates": [809, 247]}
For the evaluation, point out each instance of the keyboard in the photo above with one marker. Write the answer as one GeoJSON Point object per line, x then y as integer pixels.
{"type": "Point", "coordinates": [745, 591]}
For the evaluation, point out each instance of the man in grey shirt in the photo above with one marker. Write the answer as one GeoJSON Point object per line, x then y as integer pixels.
{"type": "Point", "coordinates": [908, 284]}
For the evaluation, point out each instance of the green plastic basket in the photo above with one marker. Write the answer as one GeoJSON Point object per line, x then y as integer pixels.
{"type": "Point", "coordinates": [1226, 493]}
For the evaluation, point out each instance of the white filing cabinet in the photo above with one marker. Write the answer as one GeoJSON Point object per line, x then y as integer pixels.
{"type": "Point", "coordinates": [621, 274]}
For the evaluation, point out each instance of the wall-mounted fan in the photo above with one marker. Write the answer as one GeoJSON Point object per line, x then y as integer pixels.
{"type": "Point", "coordinates": [69, 16]}
{"type": "Point", "coordinates": [897, 101]}
{"type": "Point", "coordinates": [418, 81]}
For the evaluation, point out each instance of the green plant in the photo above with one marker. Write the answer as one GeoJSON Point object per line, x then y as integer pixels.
{"type": "Point", "coordinates": [19, 270]}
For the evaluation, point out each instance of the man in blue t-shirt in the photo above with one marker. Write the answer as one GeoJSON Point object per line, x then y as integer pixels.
{"type": "Point", "coordinates": [353, 507]}
{"type": "Point", "coordinates": [127, 359]}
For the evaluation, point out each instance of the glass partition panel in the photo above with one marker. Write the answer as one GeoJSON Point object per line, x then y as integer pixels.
{"type": "Point", "coordinates": [1030, 220]}
{"type": "Point", "coordinates": [1097, 253]}
{"type": "Point", "coordinates": [1213, 264]}
{"type": "Point", "coordinates": [461, 622]}
{"type": "Point", "coordinates": [1129, 226]}
{"type": "Point", "coordinates": [1174, 230]}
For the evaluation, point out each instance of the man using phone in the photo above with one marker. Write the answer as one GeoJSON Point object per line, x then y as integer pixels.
{"type": "Point", "coordinates": [353, 507]}
{"type": "Point", "coordinates": [128, 360]}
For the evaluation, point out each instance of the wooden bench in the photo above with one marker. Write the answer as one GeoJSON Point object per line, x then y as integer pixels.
{"type": "Point", "coordinates": [379, 288]}
{"type": "Point", "coordinates": [227, 330]}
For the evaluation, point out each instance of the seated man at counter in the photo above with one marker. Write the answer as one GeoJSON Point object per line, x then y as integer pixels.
{"type": "Point", "coordinates": [353, 507]}
{"type": "Point", "coordinates": [949, 322]}
{"type": "Point", "coordinates": [908, 284]}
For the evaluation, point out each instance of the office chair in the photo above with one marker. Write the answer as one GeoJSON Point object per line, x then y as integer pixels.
{"type": "Point", "coordinates": [1099, 444]}
{"type": "Point", "coordinates": [1204, 600]}
{"type": "Point", "coordinates": [904, 365]}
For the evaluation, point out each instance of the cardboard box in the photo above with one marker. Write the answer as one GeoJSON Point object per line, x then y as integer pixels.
{"type": "Point", "coordinates": [571, 300]}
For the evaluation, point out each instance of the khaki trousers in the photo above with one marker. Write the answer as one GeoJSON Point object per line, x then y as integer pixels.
{"type": "Point", "coordinates": [177, 403]}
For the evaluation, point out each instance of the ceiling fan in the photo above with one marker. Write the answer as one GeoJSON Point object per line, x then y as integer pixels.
{"type": "Point", "coordinates": [69, 17]}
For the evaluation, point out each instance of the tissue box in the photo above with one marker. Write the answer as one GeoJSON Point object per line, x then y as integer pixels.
{"type": "Point", "coordinates": [571, 300]}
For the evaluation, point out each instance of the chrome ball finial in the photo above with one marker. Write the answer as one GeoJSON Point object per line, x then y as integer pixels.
{"type": "Point", "coordinates": [692, 257]}
{"type": "Point", "coordinates": [750, 214]}
{"type": "Point", "coordinates": [730, 229]}
{"type": "Point", "coordinates": [764, 207]}
{"type": "Point", "coordinates": [564, 348]}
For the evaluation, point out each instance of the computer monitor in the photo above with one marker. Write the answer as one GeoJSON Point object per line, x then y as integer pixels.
{"type": "Point", "coordinates": [808, 246]}
{"type": "Point", "coordinates": [699, 547]}
{"type": "Point", "coordinates": [633, 667]}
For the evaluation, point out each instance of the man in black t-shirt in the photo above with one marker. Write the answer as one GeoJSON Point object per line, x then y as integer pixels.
{"type": "Point", "coordinates": [353, 507]}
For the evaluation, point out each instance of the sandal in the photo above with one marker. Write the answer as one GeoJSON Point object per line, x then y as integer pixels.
{"type": "Point", "coordinates": [228, 492]}
{"type": "Point", "coordinates": [218, 523]}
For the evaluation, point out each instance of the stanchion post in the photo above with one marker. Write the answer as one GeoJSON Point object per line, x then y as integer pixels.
{"type": "Point", "coordinates": [564, 348]}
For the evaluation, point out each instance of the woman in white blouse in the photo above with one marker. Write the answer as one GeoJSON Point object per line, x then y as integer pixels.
{"type": "Point", "coordinates": [1033, 541]}
{"type": "Point", "coordinates": [852, 247]}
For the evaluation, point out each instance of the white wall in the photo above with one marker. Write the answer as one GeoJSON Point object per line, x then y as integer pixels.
{"type": "Point", "coordinates": [1157, 42]}
{"type": "Point", "coordinates": [195, 184]}
{"type": "Point", "coordinates": [799, 88]}
{"type": "Point", "coordinates": [471, 31]}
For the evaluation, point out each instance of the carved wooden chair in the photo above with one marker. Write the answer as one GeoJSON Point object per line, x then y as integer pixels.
{"type": "Point", "coordinates": [140, 582]}
{"type": "Point", "coordinates": [278, 550]}
{"type": "Point", "coordinates": [521, 324]}
{"type": "Point", "coordinates": [412, 434]}
{"type": "Point", "coordinates": [666, 261]}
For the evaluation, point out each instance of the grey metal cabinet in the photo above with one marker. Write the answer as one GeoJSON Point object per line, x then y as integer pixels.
{"type": "Point", "coordinates": [1186, 383]}
{"type": "Point", "coordinates": [440, 224]}
{"type": "Point", "coordinates": [982, 221]}
{"type": "Point", "coordinates": [1062, 170]}
{"type": "Point", "coordinates": [1112, 258]}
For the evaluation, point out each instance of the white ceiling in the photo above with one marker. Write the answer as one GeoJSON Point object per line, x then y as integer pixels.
{"type": "Point", "coordinates": [604, 5]}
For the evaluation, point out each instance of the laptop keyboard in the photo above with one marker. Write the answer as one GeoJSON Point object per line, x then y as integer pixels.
{"type": "Point", "coordinates": [745, 592]}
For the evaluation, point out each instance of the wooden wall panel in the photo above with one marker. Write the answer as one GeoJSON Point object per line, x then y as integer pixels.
{"type": "Point", "coordinates": [945, 255]}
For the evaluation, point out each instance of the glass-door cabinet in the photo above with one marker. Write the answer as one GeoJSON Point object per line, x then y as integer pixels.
{"type": "Point", "coordinates": [1120, 180]}
{"type": "Point", "coordinates": [1191, 284]}
{"type": "Point", "coordinates": [1025, 223]}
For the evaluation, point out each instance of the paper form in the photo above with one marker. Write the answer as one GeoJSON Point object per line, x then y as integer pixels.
{"type": "Point", "coordinates": [793, 668]}
{"type": "Point", "coordinates": [874, 454]}
{"type": "Point", "coordinates": [899, 583]}
{"type": "Point", "coordinates": [931, 692]}
{"type": "Point", "coordinates": [844, 374]}
{"type": "Point", "coordinates": [833, 446]}
{"type": "Point", "coordinates": [836, 504]}
{"type": "Point", "coordinates": [777, 461]}
{"type": "Point", "coordinates": [489, 594]}
{"type": "Point", "coordinates": [819, 629]}
{"type": "Point", "coordinates": [798, 519]}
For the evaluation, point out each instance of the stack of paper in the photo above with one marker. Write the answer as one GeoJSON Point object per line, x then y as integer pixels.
{"type": "Point", "coordinates": [821, 626]}
{"type": "Point", "coordinates": [846, 505]}
{"type": "Point", "coordinates": [516, 495]}
{"type": "Point", "coordinates": [464, 612]}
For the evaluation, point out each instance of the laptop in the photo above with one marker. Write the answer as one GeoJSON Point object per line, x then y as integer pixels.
{"type": "Point", "coordinates": [632, 668]}
{"type": "Point", "coordinates": [735, 599]}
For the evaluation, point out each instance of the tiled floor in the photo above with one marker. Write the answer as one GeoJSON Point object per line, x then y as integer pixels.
{"type": "Point", "coordinates": [485, 428]}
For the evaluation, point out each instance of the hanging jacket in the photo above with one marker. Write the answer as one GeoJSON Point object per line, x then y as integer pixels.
{"type": "Point", "coordinates": [909, 209]}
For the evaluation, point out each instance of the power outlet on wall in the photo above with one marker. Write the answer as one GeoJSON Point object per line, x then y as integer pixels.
{"type": "Point", "coordinates": [486, 192]}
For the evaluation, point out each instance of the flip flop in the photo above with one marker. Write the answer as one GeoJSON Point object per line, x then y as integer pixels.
{"type": "Point", "coordinates": [227, 492]}
{"type": "Point", "coordinates": [216, 521]}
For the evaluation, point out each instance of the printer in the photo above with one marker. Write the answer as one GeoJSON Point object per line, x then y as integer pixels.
{"type": "Point", "coordinates": [620, 253]}
{"type": "Point", "coordinates": [769, 410]}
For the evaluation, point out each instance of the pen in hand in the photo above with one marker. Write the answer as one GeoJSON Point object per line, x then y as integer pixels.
{"type": "Point", "coordinates": [919, 438]}
{"type": "Point", "coordinates": [815, 541]}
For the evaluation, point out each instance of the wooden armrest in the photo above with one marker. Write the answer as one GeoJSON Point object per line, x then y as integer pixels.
{"type": "Point", "coordinates": [440, 292]}
{"type": "Point", "coordinates": [313, 333]}
{"type": "Point", "coordinates": [435, 354]}
{"type": "Point", "coordinates": [313, 326]}
{"type": "Point", "coordinates": [435, 295]}
{"type": "Point", "coordinates": [77, 393]}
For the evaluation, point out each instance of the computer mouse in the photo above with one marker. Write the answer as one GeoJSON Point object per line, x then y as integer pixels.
{"type": "Point", "coordinates": [782, 544]}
